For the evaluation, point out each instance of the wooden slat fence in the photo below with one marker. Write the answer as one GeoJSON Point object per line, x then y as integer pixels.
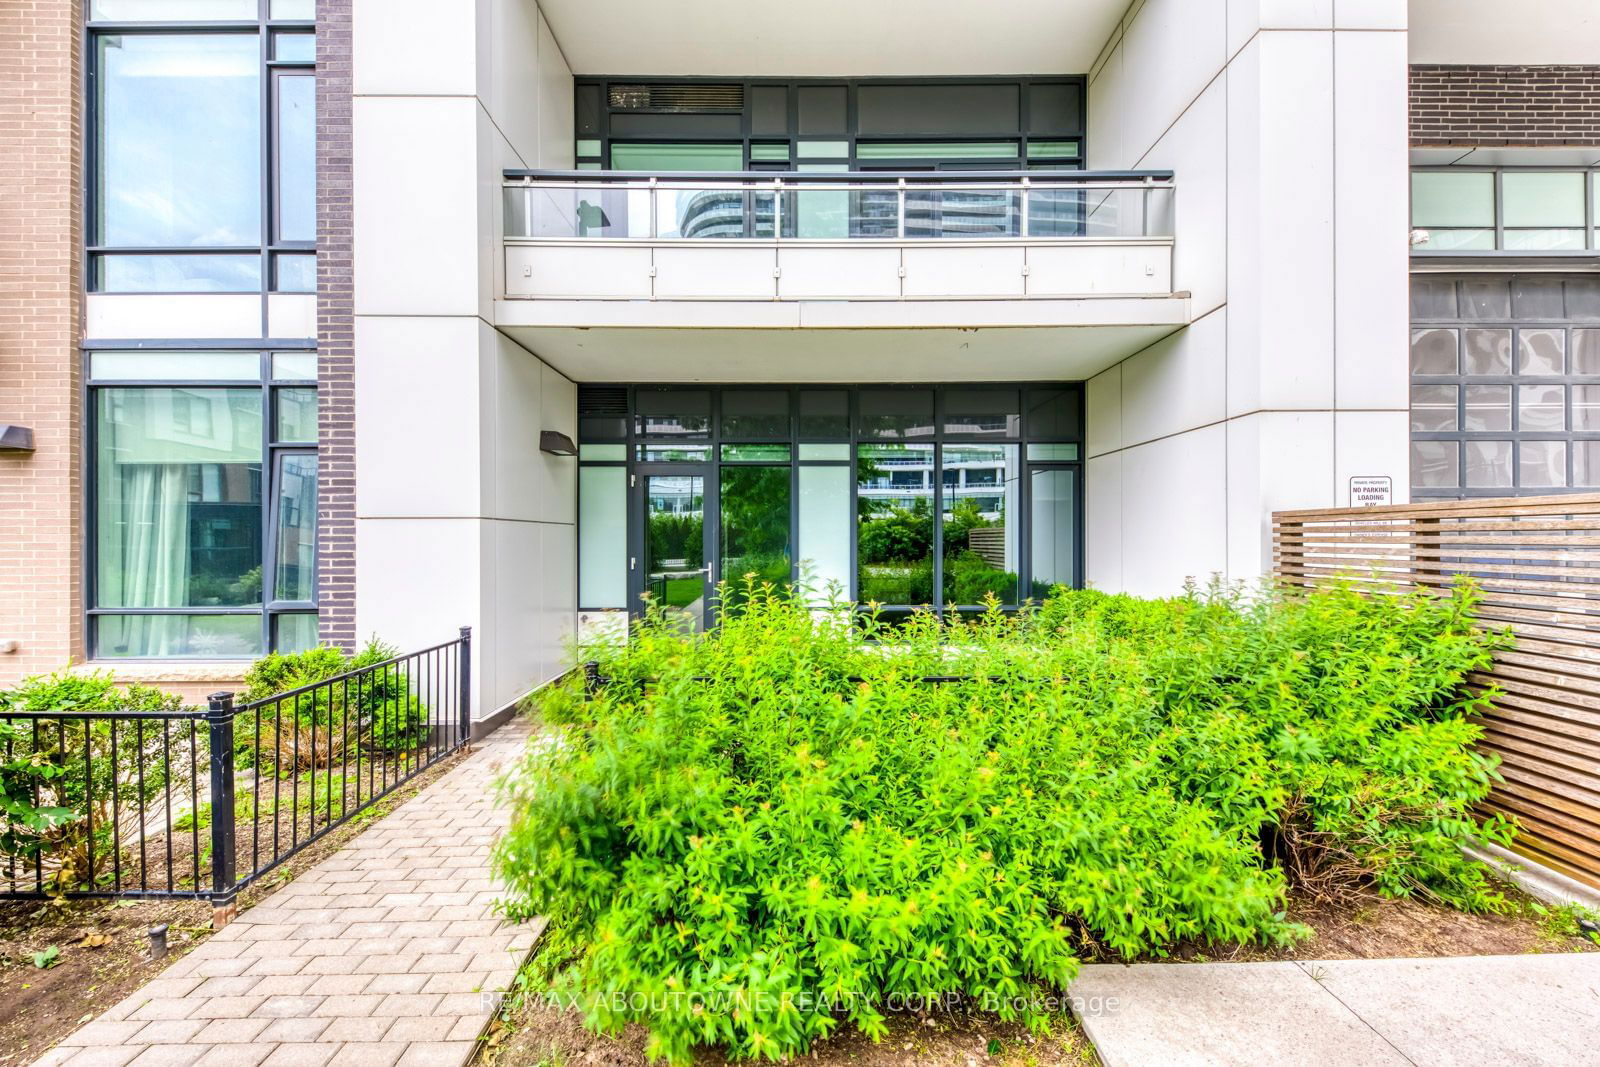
{"type": "Point", "coordinates": [1537, 563]}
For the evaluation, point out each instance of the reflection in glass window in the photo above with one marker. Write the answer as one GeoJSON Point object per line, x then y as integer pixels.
{"type": "Point", "coordinates": [177, 636]}
{"type": "Point", "coordinates": [178, 140]}
{"type": "Point", "coordinates": [894, 536]}
{"type": "Point", "coordinates": [896, 412]}
{"type": "Point", "coordinates": [1433, 352]}
{"type": "Point", "coordinates": [1487, 352]}
{"type": "Point", "coordinates": [1541, 407]}
{"type": "Point", "coordinates": [824, 530]}
{"type": "Point", "coordinates": [1541, 351]}
{"type": "Point", "coordinates": [1488, 464]}
{"type": "Point", "coordinates": [1435, 464]}
{"type": "Point", "coordinates": [1542, 464]}
{"type": "Point", "coordinates": [295, 525]}
{"type": "Point", "coordinates": [297, 157]}
{"type": "Point", "coordinates": [178, 498]}
{"type": "Point", "coordinates": [754, 511]}
{"type": "Point", "coordinates": [295, 632]}
{"type": "Point", "coordinates": [297, 415]}
{"type": "Point", "coordinates": [1488, 407]}
{"type": "Point", "coordinates": [1433, 408]}
{"type": "Point", "coordinates": [981, 523]}
{"type": "Point", "coordinates": [177, 274]}
{"type": "Point", "coordinates": [1055, 529]}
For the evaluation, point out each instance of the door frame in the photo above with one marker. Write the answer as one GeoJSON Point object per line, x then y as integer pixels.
{"type": "Point", "coordinates": [638, 487]}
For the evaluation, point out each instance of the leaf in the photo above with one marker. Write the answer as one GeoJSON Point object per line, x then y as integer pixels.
{"type": "Point", "coordinates": [95, 940]}
{"type": "Point", "coordinates": [47, 958]}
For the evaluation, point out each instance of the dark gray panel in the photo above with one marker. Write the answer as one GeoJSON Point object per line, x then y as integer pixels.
{"type": "Point", "coordinates": [937, 110]}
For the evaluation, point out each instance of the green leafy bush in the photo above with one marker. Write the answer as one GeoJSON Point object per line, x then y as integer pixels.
{"type": "Point", "coordinates": [755, 845]}
{"type": "Point", "coordinates": [64, 780]}
{"type": "Point", "coordinates": [314, 728]}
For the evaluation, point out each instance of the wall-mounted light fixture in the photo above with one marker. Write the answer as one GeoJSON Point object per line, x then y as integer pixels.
{"type": "Point", "coordinates": [15, 438]}
{"type": "Point", "coordinates": [556, 443]}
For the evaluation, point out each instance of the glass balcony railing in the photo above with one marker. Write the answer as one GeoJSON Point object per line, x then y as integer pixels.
{"type": "Point", "coordinates": [1031, 205]}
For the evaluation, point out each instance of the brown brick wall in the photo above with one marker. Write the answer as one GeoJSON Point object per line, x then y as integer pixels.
{"type": "Point", "coordinates": [41, 557]}
{"type": "Point", "coordinates": [1515, 106]}
{"type": "Point", "coordinates": [336, 529]}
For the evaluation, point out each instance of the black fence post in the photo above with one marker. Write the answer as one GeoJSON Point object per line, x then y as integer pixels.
{"type": "Point", "coordinates": [224, 880]}
{"type": "Point", "coordinates": [591, 678]}
{"type": "Point", "coordinates": [466, 685]}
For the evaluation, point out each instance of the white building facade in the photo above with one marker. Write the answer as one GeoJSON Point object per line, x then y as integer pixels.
{"type": "Point", "coordinates": [936, 305]}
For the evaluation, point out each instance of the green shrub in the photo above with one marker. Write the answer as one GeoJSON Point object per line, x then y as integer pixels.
{"type": "Point", "coordinates": [64, 780]}
{"type": "Point", "coordinates": [753, 847]}
{"type": "Point", "coordinates": [314, 728]}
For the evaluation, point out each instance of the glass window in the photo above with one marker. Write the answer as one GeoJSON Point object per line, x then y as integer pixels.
{"type": "Point", "coordinates": [178, 497]}
{"type": "Point", "coordinates": [1435, 464]}
{"type": "Point", "coordinates": [1054, 506]}
{"type": "Point", "coordinates": [1586, 408]}
{"type": "Point", "coordinates": [673, 411]}
{"type": "Point", "coordinates": [298, 10]}
{"type": "Point", "coordinates": [1488, 407]}
{"type": "Point", "coordinates": [839, 453]}
{"type": "Point", "coordinates": [294, 47]}
{"type": "Point", "coordinates": [755, 453]}
{"type": "Point", "coordinates": [1452, 198]}
{"type": "Point", "coordinates": [297, 157]}
{"type": "Point", "coordinates": [1433, 352]}
{"type": "Point", "coordinates": [1433, 408]}
{"type": "Point", "coordinates": [1053, 412]}
{"type": "Point", "coordinates": [294, 366]}
{"type": "Point", "coordinates": [175, 366]}
{"type": "Point", "coordinates": [1053, 453]}
{"type": "Point", "coordinates": [178, 139]}
{"type": "Point", "coordinates": [294, 273]}
{"type": "Point", "coordinates": [177, 636]}
{"type": "Point", "coordinates": [1586, 463]}
{"type": "Point", "coordinates": [176, 10]}
{"type": "Point", "coordinates": [755, 413]}
{"type": "Point", "coordinates": [1487, 352]}
{"type": "Point", "coordinates": [896, 412]}
{"type": "Point", "coordinates": [1534, 297]}
{"type": "Point", "coordinates": [894, 533]}
{"type": "Point", "coordinates": [1485, 298]}
{"type": "Point", "coordinates": [1541, 351]}
{"type": "Point", "coordinates": [824, 413]}
{"type": "Point", "coordinates": [602, 453]}
{"type": "Point", "coordinates": [297, 415]}
{"type": "Point", "coordinates": [295, 632]}
{"type": "Point", "coordinates": [980, 523]}
{"type": "Point", "coordinates": [986, 412]}
{"type": "Point", "coordinates": [1532, 198]}
{"type": "Point", "coordinates": [1541, 408]}
{"type": "Point", "coordinates": [754, 513]}
{"type": "Point", "coordinates": [824, 530]}
{"type": "Point", "coordinates": [1488, 464]}
{"type": "Point", "coordinates": [668, 158]}
{"type": "Point", "coordinates": [1433, 298]}
{"type": "Point", "coordinates": [295, 528]}
{"type": "Point", "coordinates": [177, 274]}
{"type": "Point", "coordinates": [1586, 351]}
{"type": "Point", "coordinates": [942, 150]}
{"type": "Point", "coordinates": [674, 453]}
{"type": "Point", "coordinates": [1542, 464]}
{"type": "Point", "coordinates": [602, 537]}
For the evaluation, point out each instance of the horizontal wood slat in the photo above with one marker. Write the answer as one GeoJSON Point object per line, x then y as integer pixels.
{"type": "Point", "coordinates": [1536, 562]}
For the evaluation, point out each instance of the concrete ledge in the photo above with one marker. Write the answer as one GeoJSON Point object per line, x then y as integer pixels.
{"type": "Point", "coordinates": [1535, 879]}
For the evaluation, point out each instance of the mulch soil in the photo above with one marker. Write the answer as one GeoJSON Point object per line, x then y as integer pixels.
{"type": "Point", "coordinates": [536, 1031]}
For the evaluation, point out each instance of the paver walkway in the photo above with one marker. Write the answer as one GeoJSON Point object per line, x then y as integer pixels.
{"type": "Point", "coordinates": [387, 952]}
{"type": "Point", "coordinates": [1536, 1009]}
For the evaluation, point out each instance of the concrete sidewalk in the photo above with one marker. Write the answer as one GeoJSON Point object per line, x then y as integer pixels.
{"type": "Point", "coordinates": [389, 951]}
{"type": "Point", "coordinates": [1535, 1009]}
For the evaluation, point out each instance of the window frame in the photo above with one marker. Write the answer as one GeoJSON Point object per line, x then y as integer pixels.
{"type": "Point", "coordinates": [267, 245]}
{"type": "Point", "coordinates": [270, 609]}
{"type": "Point", "coordinates": [1590, 226]}
{"type": "Point", "coordinates": [713, 439]}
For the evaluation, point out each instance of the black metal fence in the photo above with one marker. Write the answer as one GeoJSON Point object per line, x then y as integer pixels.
{"type": "Point", "coordinates": [201, 803]}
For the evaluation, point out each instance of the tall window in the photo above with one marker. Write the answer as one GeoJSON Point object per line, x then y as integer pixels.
{"type": "Point", "coordinates": [203, 468]}
{"type": "Point", "coordinates": [205, 503]}
{"type": "Point", "coordinates": [203, 146]}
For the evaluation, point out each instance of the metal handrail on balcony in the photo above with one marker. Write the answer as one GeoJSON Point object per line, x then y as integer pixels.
{"type": "Point", "coordinates": [546, 205]}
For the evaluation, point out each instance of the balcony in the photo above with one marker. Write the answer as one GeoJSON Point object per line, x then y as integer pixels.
{"type": "Point", "coordinates": [1038, 252]}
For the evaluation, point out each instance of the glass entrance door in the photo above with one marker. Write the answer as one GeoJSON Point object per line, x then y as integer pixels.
{"type": "Point", "coordinates": [755, 528]}
{"type": "Point", "coordinates": [676, 573]}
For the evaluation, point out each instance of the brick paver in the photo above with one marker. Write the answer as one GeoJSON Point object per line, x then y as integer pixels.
{"type": "Point", "coordinates": [388, 952]}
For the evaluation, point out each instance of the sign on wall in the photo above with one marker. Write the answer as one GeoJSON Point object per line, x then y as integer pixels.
{"type": "Point", "coordinates": [1371, 490]}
